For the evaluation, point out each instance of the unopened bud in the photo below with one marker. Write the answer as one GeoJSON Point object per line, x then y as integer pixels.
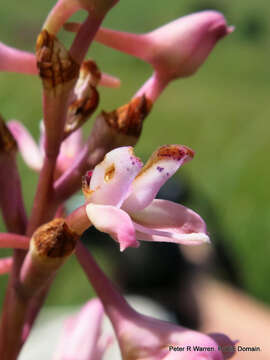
{"type": "Point", "coordinates": [55, 65]}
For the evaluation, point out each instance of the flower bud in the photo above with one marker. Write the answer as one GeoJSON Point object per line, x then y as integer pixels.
{"type": "Point", "coordinates": [176, 49]}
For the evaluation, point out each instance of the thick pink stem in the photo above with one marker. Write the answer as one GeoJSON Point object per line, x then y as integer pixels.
{"type": "Point", "coordinates": [114, 304]}
{"type": "Point", "coordinates": [85, 37]}
{"type": "Point", "coordinates": [60, 13]}
{"type": "Point", "coordinates": [44, 194]}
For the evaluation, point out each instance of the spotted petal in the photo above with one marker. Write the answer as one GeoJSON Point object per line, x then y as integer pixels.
{"type": "Point", "coordinates": [160, 167]}
{"type": "Point", "coordinates": [114, 222]}
{"type": "Point", "coordinates": [29, 149]}
{"type": "Point", "coordinates": [111, 179]}
{"type": "Point", "coordinates": [167, 221]}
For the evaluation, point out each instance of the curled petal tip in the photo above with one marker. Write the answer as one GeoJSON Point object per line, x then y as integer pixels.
{"type": "Point", "coordinates": [175, 152]}
{"type": "Point", "coordinates": [188, 151]}
{"type": "Point", "coordinates": [125, 245]}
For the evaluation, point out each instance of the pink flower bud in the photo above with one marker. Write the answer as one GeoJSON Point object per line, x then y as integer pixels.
{"type": "Point", "coordinates": [174, 50]}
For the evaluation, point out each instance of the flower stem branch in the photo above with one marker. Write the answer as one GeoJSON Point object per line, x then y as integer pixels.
{"type": "Point", "coordinates": [14, 241]}
{"type": "Point", "coordinates": [113, 302]}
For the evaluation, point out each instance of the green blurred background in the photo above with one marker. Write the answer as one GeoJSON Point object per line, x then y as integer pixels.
{"type": "Point", "coordinates": [222, 113]}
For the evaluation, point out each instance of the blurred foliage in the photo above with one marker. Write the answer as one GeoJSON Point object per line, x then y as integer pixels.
{"type": "Point", "coordinates": [222, 113]}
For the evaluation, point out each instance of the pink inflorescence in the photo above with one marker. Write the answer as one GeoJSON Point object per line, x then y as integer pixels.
{"type": "Point", "coordinates": [120, 191]}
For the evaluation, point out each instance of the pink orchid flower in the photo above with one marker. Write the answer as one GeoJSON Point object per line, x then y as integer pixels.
{"type": "Point", "coordinates": [33, 154]}
{"type": "Point", "coordinates": [174, 50]}
{"type": "Point", "coordinates": [82, 338]}
{"type": "Point", "coordinates": [121, 199]}
{"type": "Point", "coordinates": [141, 337]}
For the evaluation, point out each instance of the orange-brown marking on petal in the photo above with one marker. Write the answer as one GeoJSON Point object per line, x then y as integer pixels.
{"type": "Point", "coordinates": [109, 173]}
{"type": "Point", "coordinates": [173, 152]}
{"type": "Point", "coordinates": [7, 142]}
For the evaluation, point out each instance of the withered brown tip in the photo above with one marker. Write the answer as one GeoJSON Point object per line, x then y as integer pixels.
{"type": "Point", "coordinates": [128, 119]}
{"type": "Point", "coordinates": [90, 66]}
{"type": "Point", "coordinates": [54, 239]}
{"type": "Point", "coordinates": [7, 142]}
{"type": "Point", "coordinates": [176, 152]}
{"type": "Point", "coordinates": [55, 64]}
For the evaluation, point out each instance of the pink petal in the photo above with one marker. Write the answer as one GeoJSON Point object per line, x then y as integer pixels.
{"type": "Point", "coordinates": [29, 150]}
{"type": "Point", "coordinates": [114, 222]}
{"type": "Point", "coordinates": [112, 178]}
{"type": "Point", "coordinates": [70, 148]}
{"type": "Point", "coordinates": [167, 221]}
{"type": "Point", "coordinates": [81, 333]}
{"type": "Point", "coordinates": [160, 167]}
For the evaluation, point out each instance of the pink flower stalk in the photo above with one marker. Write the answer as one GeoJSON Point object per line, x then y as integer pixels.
{"type": "Point", "coordinates": [5, 265]}
{"type": "Point", "coordinates": [14, 241]}
{"type": "Point", "coordinates": [175, 50]}
{"type": "Point", "coordinates": [33, 154]}
{"type": "Point", "coordinates": [82, 338]}
{"type": "Point", "coordinates": [120, 195]}
{"type": "Point", "coordinates": [15, 60]}
{"type": "Point", "coordinates": [64, 9]}
{"type": "Point", "coordinates": [141, 337]}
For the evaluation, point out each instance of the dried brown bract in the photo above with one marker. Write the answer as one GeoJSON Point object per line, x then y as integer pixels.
{"type": "Point", "coordinates": [86, 97]}
{"type": "Point", "coordinates": [7, 142]}
{"type": "Point", "coordinates": [128, 119]}
{"type": "Point", "coordinates": [55, 64]}
{"type": "Point", "coordinates": [53, 240]}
